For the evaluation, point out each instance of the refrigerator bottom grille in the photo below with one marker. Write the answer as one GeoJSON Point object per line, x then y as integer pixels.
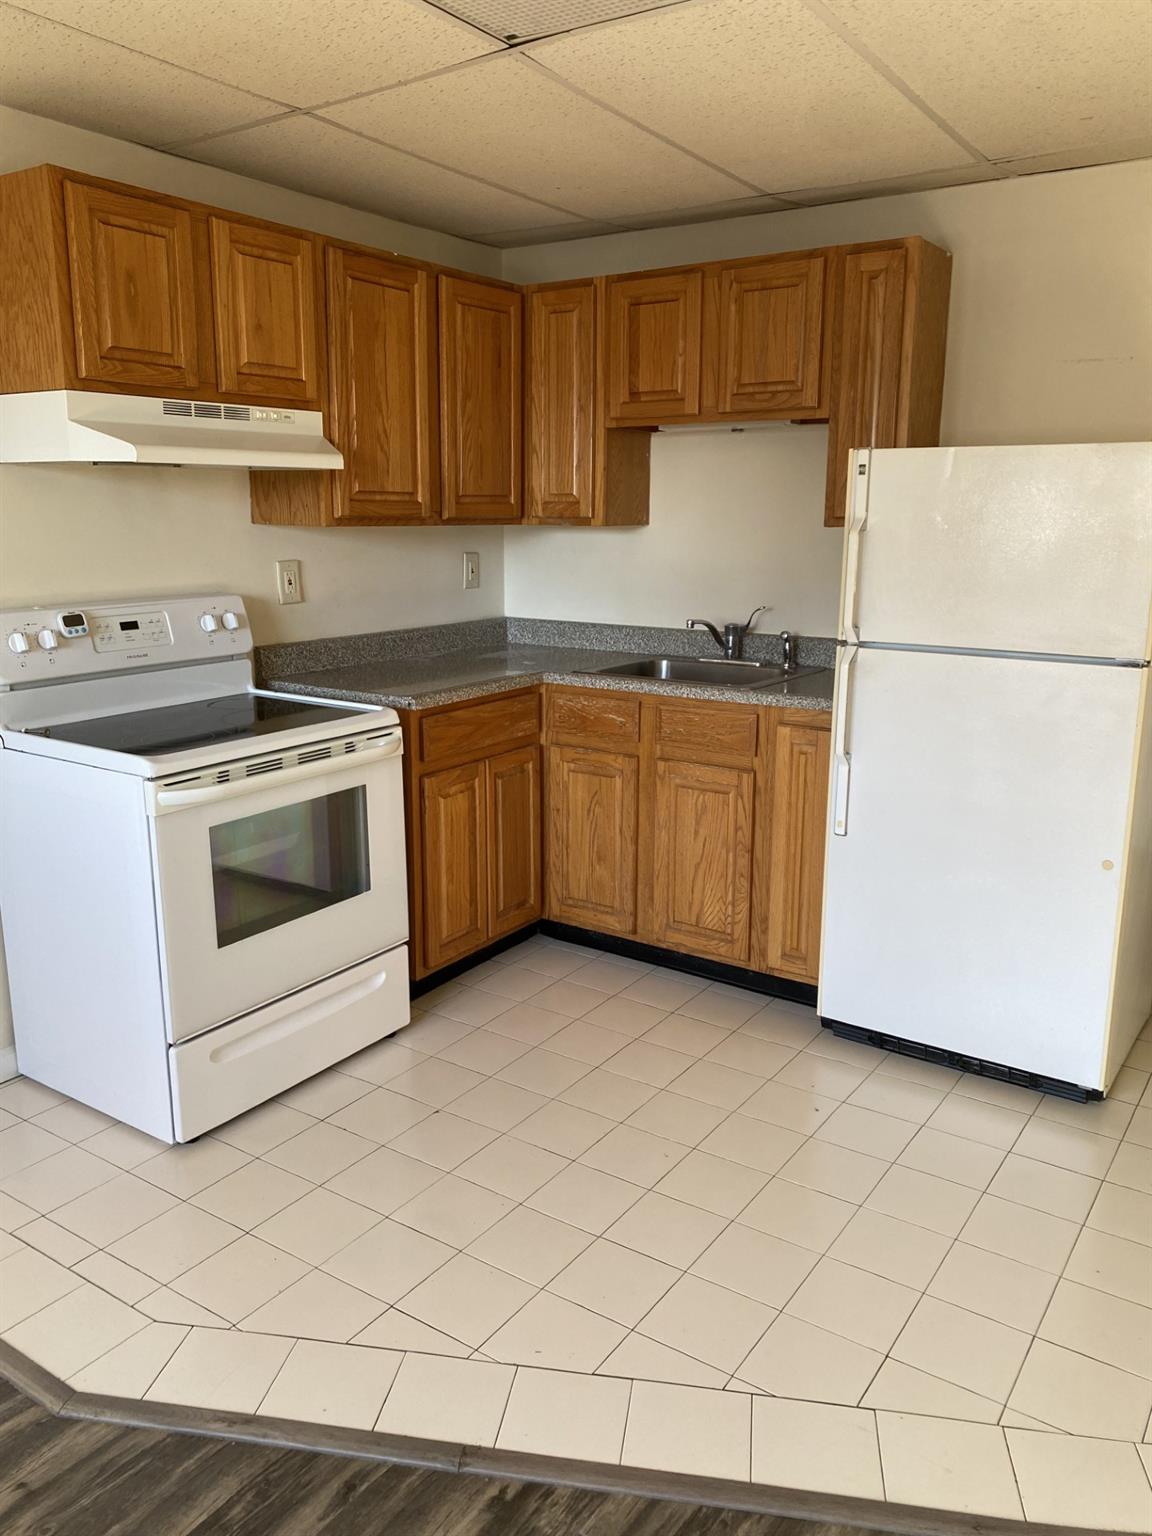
{"type": "Point", "coordinates": [959, 1062]}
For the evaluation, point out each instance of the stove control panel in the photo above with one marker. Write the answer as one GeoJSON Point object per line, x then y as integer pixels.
{"type": "Point", "coordinates": [92, 639]}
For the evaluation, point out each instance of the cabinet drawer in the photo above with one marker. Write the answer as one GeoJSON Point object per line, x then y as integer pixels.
{"type": "Point", "coordinates": [587, 715]}
{"type": "Point", "coordinates": [474, 730]}
{"type": "Point", "coordinates": [708, 730]}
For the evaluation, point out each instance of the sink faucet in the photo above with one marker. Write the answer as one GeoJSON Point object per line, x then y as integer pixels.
{"type": "Point", "coordinates": [731, 642]}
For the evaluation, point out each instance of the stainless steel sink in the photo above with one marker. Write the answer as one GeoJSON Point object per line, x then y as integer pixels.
{"type": "Point", "coordinates": [714, 672]}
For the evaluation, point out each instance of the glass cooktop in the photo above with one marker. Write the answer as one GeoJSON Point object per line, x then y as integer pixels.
{"type": "Point", "coordinates": [197, 723]}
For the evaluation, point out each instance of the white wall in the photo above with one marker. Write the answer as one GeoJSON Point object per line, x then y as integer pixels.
{"type": "Point", "coordinates": [1050, 340]}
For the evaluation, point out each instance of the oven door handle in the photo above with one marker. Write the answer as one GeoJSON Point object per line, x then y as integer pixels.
{"type": "Point", "coordinates": [209, 794]}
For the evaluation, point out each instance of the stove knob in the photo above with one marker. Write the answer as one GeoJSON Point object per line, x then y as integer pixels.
{"type": "Point", "coordinates": [230, 620]}
{"type": "Point", "coordinates": [18, 642]}
{"type": "Point", "coordinates": [209, 623]}
{"type": "Point", "coordinates": [46, 640]}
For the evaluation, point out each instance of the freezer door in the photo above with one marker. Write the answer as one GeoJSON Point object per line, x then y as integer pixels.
{"type": "Point", "coordinates": [972, 890]}
{"type": "Point", "coordinates": [1044, 549]}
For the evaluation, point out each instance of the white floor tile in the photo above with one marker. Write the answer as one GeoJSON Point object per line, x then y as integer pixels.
{"type": "Point", "coordinates": [672, 1115]}
{"type": "Point", "coordinates": [439, 1399]}
{"type": "Point", "coordinates": [74, 1122]}
{"type": "Point", "coordinates": [396, 1330]}
{"type": "Point", "coordinates": [167, 1307]}
{"type": "Point", "coordinates": [469, 1005]}
{"type": "Point", "coordinates": [836, 1171]}
{"type": "Point", "coordinates": [13, 1214]}
{"type": "Point", "coordinates": [708, 1322]}
{"type": "Point", "coordinates": [543, 1071]}
{"type": "Point", "coordinates": [729, 1008]}
{"type": "Point", "coordinates": [515, 982]}
{"type": "Point", "coordinates": [646, 1360]}
{"type": "Point", "coordinates": [444, 1139]}
{"type": "Point", "coordinates": [715, 1084]}
{"type": "Point", "coordinates": [29, 1281]}
{"type": "Point", "coordinates": [883, 1245]}
{"type": "Point", "coordinates": [867, 1131]}
{"type": "Point", "coordinates": [1057, 1191]}
{"type": "Point", "coordinates": [626, 1015]}
{"type": "Point", "coordinates": [559, 1413]}
{"type": "Point", "coordinates": [185, 1171]}
{"type": "Point", "coordinates": [608, 1095]}
{"type": "Point", "coordinates": [1105, 1327]}
{"type": "Point", "coordinates": [904, 1389]}
{"type": "Point", "coordinates": [114, 1209]}
{"type": "Point", "coordinates": [924, 1200]}
{"type": "Point", "coordinates": [484, 1051]}
{"type": "Point", "coordinates": [609, 973]}
{"type": "Point", "coordinates": [466, 1299]}
{"type": "Point", "coordinates": [322, 1383]}
{"type": "Point", "coordinates": [46, 1237]}
{"type": "Point", "coordinates": [384, 1180]}
{"type": "Point", "coordinates": [431, 1032]}
{"type": "Point", "coordinates": [563, 1128]}
{"type": "Point", "coordinates": [963, 1348]}
{"type": "Point", "coordinates": [380, 1114]}
{"type": "Point", "coordinates": [527, 1023]}
{"type": "Point", "coordinates": [662, 989]}
{"type": "Point", "coordinates": [1123, 1213]}
{"type": "Point", "coordinates": [713, 1183]}
{"type": "Point", "coordinates": [174, 1242]}
{"type": "Point", "coordinates": [511, 1167]}
{"type": "Point", "coordinates": [1112, 1264]}
{"type": "Point", "coordinates": [913, 1102]}
{"type": "Point", "coordinates": [252, 1194]}
{"type": "Point", "coordinates": [816, 1074]}
{"type": "Point", "coordinates": [550, 1331]}
{"type": "Point", "coordinates": [56, 1180]}
{"type": "Point", "coordinates": [1131, 1167]}
{"type": "Point", "coordinates": [530, 1245]}
{"type": "Point", "coordinates": [130, 1368]}
{"type": "Point", "coordinates": [115, 1277]}
{"type": "Point", "coordinates": [755, 1264]}
{"type": "Point", "coordinates": [262, 1129]}
{"type": "Point", "coordinates": [1069, 1480]}
{"type": "Point", "coordinates": [325, 1094]}
{"type": "Point", "coordinates": [925, 1073]}
{"type": "Point", "coordinates": [388, 1260]}
{"type": "Point", "coordinates": [220, 1368]}
{"type": "Point", "coordinates": [857, 1305]}
{"type": "Point", "coordinates": [655, 1065]}
{"type": "Point", "coordinates": [990, 1091]}
{"type": "Point", "coordinates": [569, 998]}
{"type": "Point", "coordinates": [666, 1229]}
{"type": "Point", "coordinates": [797, 1214]}
{"type": "Point", "coordinates": [785, 1023]}
{"type": "Point", "coordinates": [499, 1106]}
{"type": "Point", "coordinates": [977, 1121]}
{"type": "Point", "coordinates": [321, 1152]}
{"type": "Point", "coordinates": [1106, 1117]}
{"type": "Point", "coordinates": [1066, 1147]}
{"type": "Point", "coordinates": [433, 1081]}
{"type": "Point", "coordinates": [587, 1042]}
{"type": "Point", "coordinates": [585, 1197]}
{"type": "Point", "coordinates": [317, 1226]}
{"type": "Point", "coordinates": [76, 1329]}
{"type": "Point", "coordinates": [691, 1036]}
{"type": "Point", "coordinates": [952, 1157]}
{"type": "Point", "coordinates": [453, 1211]}
{"type": "Point", "coordinates": [994, 1286]}
{"type": "Point", "coordinates": [752, 1143]}
{"type": "Point", "coordinates": [752, 1054]}
{"type": "Point", "coordinates": [633, 1154]}
{"type": "Point", "coordinates": [614, 1282]}
{"type": "Point", "coordinates": [689, 1429]}
{"type": "Point", "coordinates": [1019, 1232]}
{"type": "Point", "coordinates": [947, 1465]}
{"type": "Point", "coordinates": [816, 1446]}
{"type": "Point", "coordinates": [318, 1306]}
{"type": "Point", "coordinates": [239, 1278]}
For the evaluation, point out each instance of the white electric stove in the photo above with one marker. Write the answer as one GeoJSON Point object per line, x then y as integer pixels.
{"type": "Point", "coordinates": [203, 885]}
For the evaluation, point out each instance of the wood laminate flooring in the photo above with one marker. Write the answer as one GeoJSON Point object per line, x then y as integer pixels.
{"type": "Point", "coordinates": [69, 1477]}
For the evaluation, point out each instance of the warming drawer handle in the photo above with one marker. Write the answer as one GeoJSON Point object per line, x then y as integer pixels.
{"type": "Point", "coordinates": [182, 799]}
{"type": "Point", "coordinates": [294, 1023]}
{"type": "Point", "coordinates": [841, 756]}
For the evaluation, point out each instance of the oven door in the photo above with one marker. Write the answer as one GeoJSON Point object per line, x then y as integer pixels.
{"type": "Point", "coordinates": [287, 870]}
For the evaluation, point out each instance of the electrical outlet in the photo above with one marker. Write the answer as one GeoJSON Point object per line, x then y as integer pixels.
{"type": "Point", "coordinates": [288, 581]}
{"type": "Point", "coordinates": [471, 570]}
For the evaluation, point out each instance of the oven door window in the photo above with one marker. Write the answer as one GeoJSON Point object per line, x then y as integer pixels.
{"type": "Point", "coordinates": [283, 864]}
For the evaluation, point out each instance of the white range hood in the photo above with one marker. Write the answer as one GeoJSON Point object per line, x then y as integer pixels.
{"type": "Point", "coordinates": [70, 426]}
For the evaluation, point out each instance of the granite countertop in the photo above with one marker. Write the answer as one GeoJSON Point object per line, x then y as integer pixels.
{"type": "Point", "coordinates": [420, 682]}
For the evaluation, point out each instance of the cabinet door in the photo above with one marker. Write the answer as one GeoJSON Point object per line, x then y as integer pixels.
{"type": "Point", "coordinates": [867, 366]}
{"type": "Point", "coordinates": [702, 858]}
{"type": "Point", "coordinates": [513, 840]}
{"type": "Point", "coordinates": [454, 872]}
{"type": "Point", "coordinates": [480, 401]}
{"type": "Point", "coordinates": [654, 346]}
{"type": "Point", "coordinates": [798, 817]}
{"type": "Point", "coordinates": [382, 415]}
{"type": "Point", "coordinates": [771, 336]}
{"type": "Point", "coordinates": [592, 810]}
{"type": "Point", "coordinates": [264, 299]}
{"type": "Point", "coordinates": [558, 401]}
{"type": "Point", "coordinates": [132, 269]}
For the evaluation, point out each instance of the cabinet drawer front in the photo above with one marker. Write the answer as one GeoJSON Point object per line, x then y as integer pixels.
{"type": "Point", "coordinates": [588, 715]}
{"type": "Point", "coordinates": [707, 730]}
{"type": "Point", "coordinates": [771, 335]}
{"type": "Point", "coordinates": [264, 283]}
{"type": "Point", "coordinates": [133, 289]}
{"type": "Point", "coordinates": [477, 729]}
{"type": "Point", "coordinates": [702, 859]}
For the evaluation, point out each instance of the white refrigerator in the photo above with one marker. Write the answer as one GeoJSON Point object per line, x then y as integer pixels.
{"type": "Point", "coordinates": [988, 879]}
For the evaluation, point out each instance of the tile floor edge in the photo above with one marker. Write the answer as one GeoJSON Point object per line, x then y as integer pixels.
{"type": "Point", "coordinates": [59, 1399]}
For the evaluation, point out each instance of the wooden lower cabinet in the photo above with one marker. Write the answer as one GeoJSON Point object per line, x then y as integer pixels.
{"type": "Point", "coordinates": [798, 798]}
{"type": "Point", "coordinates": [514, 868]}
{"type": "Point", "coordinates": [453, 826]}
{"type": "Point", "coordinates": [593, 806]}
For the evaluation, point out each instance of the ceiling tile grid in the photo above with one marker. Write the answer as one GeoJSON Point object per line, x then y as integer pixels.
{"type": "Point", "coordinates": [516, 20]}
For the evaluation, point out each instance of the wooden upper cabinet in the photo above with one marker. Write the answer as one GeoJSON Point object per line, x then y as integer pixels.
{"type": "Point", "coordinates": [133, 279]}
{"type": "Point", "coordinates": [513, 840]}
{"type": "Point", "coordinates": [480, 401]}
{"type": "Point", "coordinates": [593, 800]}
{"type": "Point", "coordinates": [771, 334]}
{"type": "Point", "coordinates": [798, 795]}
{"type": "Point", "coordinates": [559, 394]}
{"type": "Point", "coordinates": [702, 858]}
{"type": "Point", "coordinates": [454, 863]}
{"type": "Point", "coordinates": [264, 298]}
{"type": "Point", "coordinates": [654, 346]}
{"type": "Point", "coordinates": [382, 408]}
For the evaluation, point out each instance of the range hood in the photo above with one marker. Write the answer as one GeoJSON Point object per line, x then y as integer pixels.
{"type": "Point", "coordinates": [71, 426]}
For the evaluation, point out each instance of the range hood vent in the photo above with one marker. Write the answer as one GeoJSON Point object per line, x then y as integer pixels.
{"type": "Point", "coordinates": [68, 426]}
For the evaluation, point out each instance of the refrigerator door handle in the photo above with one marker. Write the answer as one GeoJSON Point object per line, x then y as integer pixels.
{"type": "Point", "coordinates": [857, 517]}
{"type": "Point", "coordinates": [841, 756]}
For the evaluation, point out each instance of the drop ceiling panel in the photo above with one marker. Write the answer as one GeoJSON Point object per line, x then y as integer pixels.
{"type": "Point", "coordinates": [515, 20]}
{"type": "Point", "coordinates": [760, 87]}
{"type": "Point", "coordinates": [512, 123]}
{"type": "Point", "coordinates": [298, 51]}
{"type": "Point", "coordinates": [63, 74]}
{"type": "Point", "coordinates": [313, 156]}
{"type": "Point", "coordinates": [1019, 77]}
